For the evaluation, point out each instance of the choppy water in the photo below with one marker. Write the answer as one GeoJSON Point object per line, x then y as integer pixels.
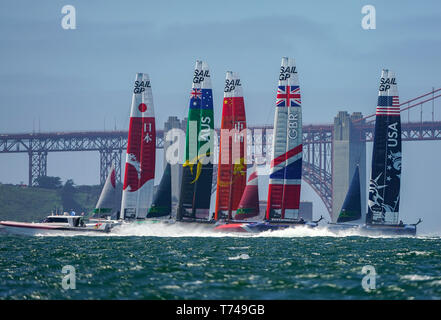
{"type": "Point", "coordinates": [150, 262]}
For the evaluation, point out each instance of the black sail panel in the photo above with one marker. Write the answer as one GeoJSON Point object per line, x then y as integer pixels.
{"type": "Point", "coordinates": [161, 205]}
{"type": "Point", "coordinates": [351, 209]}
{"type": "Point", "coordinates": [384, 186]}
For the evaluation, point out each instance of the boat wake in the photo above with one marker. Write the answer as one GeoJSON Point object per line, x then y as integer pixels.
{"type": "Point", "coordinates": [160, 229]}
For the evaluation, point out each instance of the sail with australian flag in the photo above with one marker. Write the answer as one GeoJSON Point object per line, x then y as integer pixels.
{"type": "Point", "coordinates": [197, 175]}
{"type": "Point", "coordinates": [232, 169]}
{"type": "Point", "coordinates": [286, 162]}
{"type": "Point", "coordinates": [384, 186]}
{"type": "Point", "coordinates": [141, 150]}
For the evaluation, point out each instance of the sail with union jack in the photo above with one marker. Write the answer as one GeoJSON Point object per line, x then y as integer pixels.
{"type": "Point", "coordinates": [286, 161]}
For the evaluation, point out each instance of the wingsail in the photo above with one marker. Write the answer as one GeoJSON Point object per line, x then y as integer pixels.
{"type": "Point", "coordinates": [286, 164]}
{"type": "Point", "coordinates": [141, 149]}
{"type": "Point", "coordinates": [197, 175]}
{"type": "Point", "coordinates": [384, 186]}
{"type": "Point", "coordinates": [232, 169]}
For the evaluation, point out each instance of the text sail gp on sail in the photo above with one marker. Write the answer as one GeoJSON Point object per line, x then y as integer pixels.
{"type": "Point", "coordinates": [141, 151]}
{"type": "Point", "coordinates": [197, 175]}
{"type": "Point", "coordinates": [385, 182]}
{"type": "Point", "coordinates": [232, 168]}
{"type": "Point", "coordinates": [286, 162]}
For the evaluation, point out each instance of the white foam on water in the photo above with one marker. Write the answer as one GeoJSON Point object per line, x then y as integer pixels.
{"type": "Point", "coordinates": [242, 256]}
{"type": "Point", "coordinates": [162, 229]}
{"type": "Point", "coordinates": [416, 277]}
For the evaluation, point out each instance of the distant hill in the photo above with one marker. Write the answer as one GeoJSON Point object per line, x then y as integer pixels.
{"type": "Point", "coordinates": [34, 204]}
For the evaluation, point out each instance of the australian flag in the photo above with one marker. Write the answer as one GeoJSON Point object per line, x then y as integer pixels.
{"type": "Point", "coordinates": [201, 99]}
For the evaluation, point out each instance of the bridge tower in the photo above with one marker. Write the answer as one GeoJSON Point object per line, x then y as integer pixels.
{"type": "Point", "coordinates": [173, 122]}
{"type": "Point", "coordinates": [348, 151]}
{"type": "Point", "coordinates": [108, 157]}
{"type": "Point", "coordinates": [37, 166]}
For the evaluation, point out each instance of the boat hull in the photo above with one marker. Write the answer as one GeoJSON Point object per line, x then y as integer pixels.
{"type": "Point", "coordinates": [375, 230]}
{"type": "Point", "coordinates": [256, 227]}
{"type": "Point", "coordinates": [32, 229]}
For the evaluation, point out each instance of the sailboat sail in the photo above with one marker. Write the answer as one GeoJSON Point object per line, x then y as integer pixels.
{"type": "Point", "coordinates": [249, 203]}
{"type": "Point", "coordinates": [106, 202]}
{"type": "Point", "coordinates": [161, 205]}
{"type": "Point", "coordinates": [384, 186]}
{"type": "Point", "coordinates": [232, 170]}
{"type": "Point", "coordinates": [286, 164]}
{"type": "Point", "coordinates": [351, 209]}
{"type": "Point", "coordinates": [197, 175]}
{"type": "Point", "coordinates": [140, 160]}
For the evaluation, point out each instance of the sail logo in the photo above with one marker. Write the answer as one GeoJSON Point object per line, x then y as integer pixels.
{"type": "Point", "coordinates": [392, 135]}
{"type": "Point", "coordinates": [140, 86]}
{"type": "Point", "coordinates": [230, 85]}
{"type": "Point", "coordinates": [293, 125]}
{"type": "Point", "coordinates": [200, 75]}
{"type": "Point", "coordinates": [386, 83]}
{"type": "Point", "coordinates": [285, 72]}
{"type": "Point", "coordinates": [205, 133]}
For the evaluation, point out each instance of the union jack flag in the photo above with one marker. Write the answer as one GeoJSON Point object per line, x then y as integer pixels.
{"type": "Point", "coordinates": [288, 96]}
{"type": "Point", "coordinates": [196, 93]}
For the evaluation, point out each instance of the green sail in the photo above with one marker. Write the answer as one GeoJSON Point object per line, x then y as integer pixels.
{"type": "Point", "coordinates": [197, 175]}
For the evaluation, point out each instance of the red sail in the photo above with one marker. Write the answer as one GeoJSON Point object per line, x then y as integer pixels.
{"type": "Point", "coordinates": [231, 179]}
{"type": "Point", "coordinates": [249, 204]}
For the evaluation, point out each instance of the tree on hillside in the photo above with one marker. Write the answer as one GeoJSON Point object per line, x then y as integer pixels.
{"type": "Point", "coordinates": [68, 196]}
{"type": "Point", "coordinates": [48, 182]}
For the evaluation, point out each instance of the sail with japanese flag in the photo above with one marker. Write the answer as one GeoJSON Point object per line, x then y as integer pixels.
{"type": "Point", "coordinates": [232, 169]}
{"type": "Point", "coordinates": [286, 161]}
{"type": "Point", "coordinates": [249, 202]}
{"type": "Point", "coordinates": [384, 186]}
{"type": "Point", "coordinates": [141, 151]}
{"type": "Point", "coordinates": [197, 174]}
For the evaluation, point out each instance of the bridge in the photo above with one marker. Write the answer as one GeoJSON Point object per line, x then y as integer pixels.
{"type": "Point", "coordinates": [323, 145]}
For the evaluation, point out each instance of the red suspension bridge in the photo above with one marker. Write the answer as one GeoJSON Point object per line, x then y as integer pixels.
{"type": "Point", "coordinates": [318, 144]}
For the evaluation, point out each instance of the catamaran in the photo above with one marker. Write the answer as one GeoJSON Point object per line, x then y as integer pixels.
{"type": "Point", "coordinates": [195, 195]}
{"type": "Point", "coordinates": [141, 151]}
{"type": "Point", "coordinates": [384, 187]}
{"type": "Point", "coordinates": [286, 164]}
{"type": "Point", "coordinates": [232, 167]}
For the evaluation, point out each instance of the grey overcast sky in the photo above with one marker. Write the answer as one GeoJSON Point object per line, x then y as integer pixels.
{"type": "Point", "coordinates": [53, 79]}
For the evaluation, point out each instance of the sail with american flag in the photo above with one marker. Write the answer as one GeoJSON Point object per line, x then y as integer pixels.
{"type": "Point", "coordinates": [384, 186]}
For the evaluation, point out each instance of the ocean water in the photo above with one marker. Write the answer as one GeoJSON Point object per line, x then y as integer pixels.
{"type": "Point", "coordinates": [150, 261]}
